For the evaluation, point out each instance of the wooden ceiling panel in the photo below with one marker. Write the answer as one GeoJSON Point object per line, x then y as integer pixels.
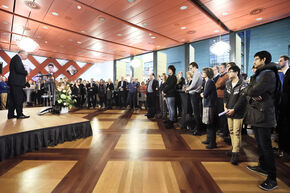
{"type": "Point", "coordinates": [238, 12]}
{"type": "Point", "coordinates": [6, 5]}
{"type": "Point", "coordinates": [98, 30]}
{"type": "Point", "coordinates": [38, 13]}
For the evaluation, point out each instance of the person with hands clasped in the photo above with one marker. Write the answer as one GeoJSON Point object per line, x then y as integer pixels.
{"type": "Point", "coordinates": [235, 106]}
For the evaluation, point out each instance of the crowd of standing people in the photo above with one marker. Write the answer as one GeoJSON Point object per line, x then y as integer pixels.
{"type": "Point", "coordinates": [216, 100]}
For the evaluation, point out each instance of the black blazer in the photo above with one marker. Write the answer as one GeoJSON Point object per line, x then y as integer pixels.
{"type": "Point", "coordinates": [125, 84]}
{"type": "Point", "coordinates": [154, 86]}
{"type": "Point", "coordinates": [210, 94]}
{"type": "Point", "coordinates": [17, 72]}
{"type": "Point", "coordinates": [285, 100]}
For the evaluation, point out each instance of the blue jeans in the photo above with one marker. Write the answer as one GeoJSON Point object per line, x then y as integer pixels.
{"type": "Point", "coordinates": [170, 101]}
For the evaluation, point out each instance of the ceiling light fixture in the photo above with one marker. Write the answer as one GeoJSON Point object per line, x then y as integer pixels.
{"type": "Point", "coordinates": [135, 63]}
{"type": "Point", "coordinates": [119, 35]}
{"type": "Point", "coordinates": [45, 42]}
{"type": "Point", "coordinates": [183, 7]}
{"type": "Point", "coordinates": [27, 44]}
{"type": "Point", "coordinates": [225, 13]}
{"type": "Point", "coordinates": [220, 48]}
{"type": "Point", "coordinates": [32, 4]}
{"type": "Point", "coordinates": [83, 31]}
{"type": "Point", "coordinates": [183, 28]}
{"type": "Point", "coordinates": [44, 27]}
{"type": "Point", "coordinates": [144, 24]}
{"type": "Point", "coordinates": [131, 1]}
{"type": "Point", "coordinates": [79, 7]}
{"type": "Point", "coordinates": [5, 6]}
{"type": "Point", "coordinates": [54, 13]}
{"type": "Point", "coordinates": [5, 22]}
{"type": "Point", "coordinates": [216, 31]}
{"type": "Point", "coordinates": [259, 19]}
{"type": "Point", "coordinates": [150, 34]}
{"type": "Point", "coordinates": [153, 37]}
{"type": "Point", "coordinates": [79, 42]}
{"type": "Point", "coordinates": [102, 19]}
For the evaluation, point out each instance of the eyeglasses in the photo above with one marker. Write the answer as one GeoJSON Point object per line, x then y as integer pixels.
{"type": "Point", "coordinates": [231, 71]}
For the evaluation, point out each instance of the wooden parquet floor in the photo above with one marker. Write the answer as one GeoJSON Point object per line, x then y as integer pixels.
{"type": "Point", "coordinates": [130, 154]}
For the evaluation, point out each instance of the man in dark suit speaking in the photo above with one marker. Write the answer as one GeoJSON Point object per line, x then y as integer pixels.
{"type": "Point", "coordinates": [16, 81]}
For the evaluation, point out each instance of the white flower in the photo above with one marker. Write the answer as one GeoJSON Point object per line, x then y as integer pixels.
{"type": "Point", "coordinates": [63, 96]}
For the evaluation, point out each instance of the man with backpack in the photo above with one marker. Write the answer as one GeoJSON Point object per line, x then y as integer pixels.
{"type": "Point", "coordinates": [260, 114]}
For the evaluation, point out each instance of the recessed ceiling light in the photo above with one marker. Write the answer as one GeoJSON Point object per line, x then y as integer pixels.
{"type": "Point", "coordinates": [153, 37]}
{"type": "Point", "coordinates": [225, 13]}
{"type": "Point", "coordinates": [119, 35]}
{"type": "Point", "coordinates": [5, 6]}
{"type": "Point", "coordinates": [45, 42]}
{"type": "Point", "coordinates": [32, 4]}
{"type": "Point", "coordinates": [131, 1]}
{"type": "Point", "coordinates": [54, 13]}
{"type": "Point", "coordinates": [183, 40]}
{"type": "Point", "coordinates": [79, 42]}
{"type": "Point", "coordinates": [183, 27]}
{"type": "Point", "coordinates": [102, 19]}
{"type": "Point", "coordinates": [216, 30]}
{"type": "Point", "coordinates": [183, 7]}
{"type": "Point", "coordinates": [44, 27]}
{"type": "Point", "coordinates": [79, 7]}
{"type": "Point", "coordinates": [144, 24]}
{"type": "Point", "coordinates": [150, 34]}
{"type": "Point", "coordinates": [258, 19]}
{"type": "Point", "coordinates": [5, 22]}
{"type": "Point", "coordinates": [83, 31]}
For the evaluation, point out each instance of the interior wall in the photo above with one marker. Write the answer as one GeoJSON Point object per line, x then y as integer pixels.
{"type": "Point", "coordinates": [35, 64]}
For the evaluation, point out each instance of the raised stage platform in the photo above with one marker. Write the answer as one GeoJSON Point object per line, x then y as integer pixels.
{"type": "Point", "coordinates": [18, 136]}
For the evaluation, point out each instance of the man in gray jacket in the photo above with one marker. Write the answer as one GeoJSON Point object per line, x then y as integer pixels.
{"type": "Point", "coordinates": [194, 91]}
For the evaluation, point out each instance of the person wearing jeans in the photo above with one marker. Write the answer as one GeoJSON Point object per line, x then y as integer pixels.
{"type": "Point", "coordinates": [261, 114]}
{"type": "Point", "coordinates": [169, 93]}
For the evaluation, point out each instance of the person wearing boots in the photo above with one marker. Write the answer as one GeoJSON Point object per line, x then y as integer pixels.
{"type": "Point", "coordinates": [234, 105]}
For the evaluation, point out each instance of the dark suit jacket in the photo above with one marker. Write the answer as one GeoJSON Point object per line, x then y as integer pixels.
{"type": "Point", "coordinates": [210, 94]}
{"type": "Point", "coordinates": [154, 86]}
{"type": "Point", "coordinates": [285, 103]}
{"type": "Point", "coordinates": [17, 72]}
{"type": "Point", "coordinates": [124, 85]}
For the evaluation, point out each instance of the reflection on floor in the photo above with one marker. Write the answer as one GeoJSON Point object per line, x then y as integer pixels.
{"type": "Point", "coordinates": [129, 153]}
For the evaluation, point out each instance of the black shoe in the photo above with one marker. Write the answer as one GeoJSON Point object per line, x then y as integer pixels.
{"type": "Point", "coordinates": [23, 117]}
{"type": "Point", "coordinates": [257, 169]}
{"type": "Point", "coordinates": [229, 153]}
{"type": "Point", "coordinates": [211, 147]}
{"type": "Point", "coordinates": [12, 117]}
{"type": "Point", "coordinates": [205, 142]}
{"type": "Point", "coordinates": [169, 125]}
{"type": "Point", "coordinates": [196, 133]}
{"type": "Point", "coordinates": [235, 158]}
{"type": "Point", "coordinates": [269, 185]}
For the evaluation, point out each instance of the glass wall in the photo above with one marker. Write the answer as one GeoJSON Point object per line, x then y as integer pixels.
{"type": "Point", "coordinates": [172, 56]}
{"type": "Point", "coordinates": [139, 67]}
{"type": "Point", "coordinates": [273, 37]}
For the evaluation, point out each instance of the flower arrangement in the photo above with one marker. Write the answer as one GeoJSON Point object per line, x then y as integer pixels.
{"type": "Point", "coordinates": [63, 96]}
